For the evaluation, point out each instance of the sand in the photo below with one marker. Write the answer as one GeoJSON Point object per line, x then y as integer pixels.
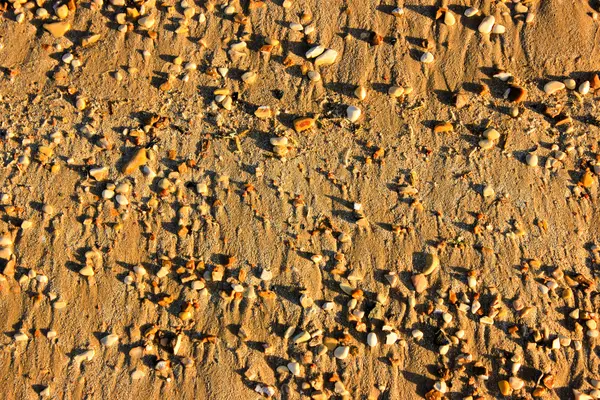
{"type": "Point", "coordinates": [267, 212]}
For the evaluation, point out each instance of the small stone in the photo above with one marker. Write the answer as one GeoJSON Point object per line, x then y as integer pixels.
{"type": "Point", "coordinates": [353, 113]}
{"type": "Point", "coordinates": [417, 334]}
{"type": "Point", "coordinates": [486, 144]}
{"type": "Point", "coordinates": [360, 92]}
{"type": "Point", "coordinates": [121, 200]}
{"type": "Point", "coordinates": [249, 77]}
{"type": "Point", "coordinates": [21, 337]}
{"type": "Point", "coordinates": [372, 339]}
{"type": "Point", "coordinates": [140, 158]}
{"type": "Point", "coordinates": [427, 58]}
{"type": "Point", "coordinates": [491, 134]}
{"type": "Point", "coordinates": [87, 355]}
{"type": "Point", "coordinates": [146, 22]}
{"type": "Point", "coordinates": [57, 29]}
{"type": "Point", "coordinates": [584, 88]}
{"type": "Point", "coordinates": [420, 283]}
{"type": "Point", "coordinates": [486, 24]}
{"type": "Point", "coordinates": [516, 383]}
{"type": "Point", "coordinates": [294, 368]}
{"type": "Point", "coordinates": [263, 112]}
{"type": "Point", "coordinates": [396, 91]}
{"type": "Point", "coordinates": [531, 159]}
{"type": "Point", "coordinates": [470, 12]}
{"type": "Point", "coordinates": [99, 174]}
{"type": "Point", "coordinates": [440, 386]}
{"type": "Point", "coordinates": [504, 387]}
{"type": "Point", "coordinates": [301, 337]}
{"type": "Point", "coordinates": [295, 26]}
{"type": "Point", "coordinates": [432, 263]}
{"type": "Point", "coordinates": [553, 87]}
{"type": "Point", "coordinates": [314, 76]}
{"type": "Point", "coordinates": [341, 352]}
{"type": "Point", "coordinates": [391, 338]}
{"type": "Point", "coordinates": [327, 58]}
{"type": "Point", "coordinates": [315, 51]}
{"type": "Point", "coordinates": [570, 83]}
{"type": "Point", "coordinates": [498, 29]}
{"type": "Point", "coordinates": [303, 124]}
{"type": "Point", "coordinates": [87, 271]}
{"type": "Point", "coordinates": [398, 12]}
{"type": "Point", "coordinates": [443, 127]}
{"type": "Point", "coordinates": [62, 11]}
{"type": "Point", "coordinates": [109, 340]}
{"type": "Point", "coordinates": [449, 18]}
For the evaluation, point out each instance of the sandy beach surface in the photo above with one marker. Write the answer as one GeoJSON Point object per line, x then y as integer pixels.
{"type": "Point", "coordinates": [299, 199]}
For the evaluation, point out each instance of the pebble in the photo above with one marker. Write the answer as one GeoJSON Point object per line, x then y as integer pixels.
{"type": "Point", "coordinates": [531, 159]}
{"type": "Point", "coordinates": [147, 21]}
{"type": "Point", "coordinates": [584, 88]}
{"type": "Point", "coordinates": [427, 58]}
{"type": "Point", "coordinates": [57, 29]}
{"type": "Point", "coordinates": [140, 158]}
{"type": "Point", "coordinates": [487, 24]}
{"type": "Point", "coordinates": [295, 26]}
{"type": "Point", "coordinates": [470, 12]}
{"type": "Point", "coordinates": [314, 76]}
{"type": "Point", "coordinates": [449, 18]}
{"type": "Point", "coordinates": [301, 337]}
{"type": "Point", "coordinates": [87, 271]}
{"type": "Point", "coordinates": [341, 352]}
{"type": "Point", "coordinates": [504, 387]}
{"type": "Point", "coordinates": [360, 92]}
{"type": "Point", "coordinates": [294, 368]}
{"type": "Point", "coordinates": [109, 340]}
{"type": "Point", "coordinates": [99, 174]}
{"type": "Point", "coordinates": [391, 338]}
{"type": "Point", "coordinates": [249, 77]}
{"type": "Point", "coordinates": [315, 51]}
{"type": "Point", "coordinates": [121, 200]}
{"type": "Point", "coordinates": [419, 282]}
{"type": "Point", "coordinates": [499, 29]}
{"type": "Point", "coordinates": [108, 194]}
{"type": "Point", "coordinates": [353, 113]}
{"type": "Point", "coordinates": [440, 386]}
{"type": "Point", "coordinates": [516, 383]}
{"type": "Point", "coordinates": [327, 58]}
{"type": "Point", "coordinates": [553, 87]}
{"type": "Point", "coordinates": [432, 263]}
{"type": "Point", "coordinates": [396, 91]}
{"type": "Point", "coordinates": [21, 337]}
{"type": "Point", "coordinates": [372, 339]}
{"type": "Point", "coordinates": [87, 355]}
{"type": "Point", "coordinates": [417, 334]}
{"type": "Point", "coordinates": [570, 84]}
{"type": "Point", "coordinates": [398, 12]}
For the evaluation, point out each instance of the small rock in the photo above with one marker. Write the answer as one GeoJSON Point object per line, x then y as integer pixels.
{"type": "Point", "coordinates": [372, 339]}
{"type": "Point", "coordinates": [553, 87]}
{"type": "Point", "coordinates": [353, 113]}
{"type": "Point", "coordinates": [427, 58]}
{"type": "Point", "coordinates": [327, 58]}
{"type": "Point", "coordinates": [109, 340]}
{"type": "Point", "coordinates": [57, 29]}
{"type": "Point", "coordinates": [486, 24]}
{"type": "Point", "coordinates": [315, 51]}
{"type": "Point", "coordinates": [470, 12]}
{"type": "Point", "coordinates": [341, 352]}
{"type": "Point", "coordinates": [420, 283]}
{"type": "Point", "coordinates": [504, 387]}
